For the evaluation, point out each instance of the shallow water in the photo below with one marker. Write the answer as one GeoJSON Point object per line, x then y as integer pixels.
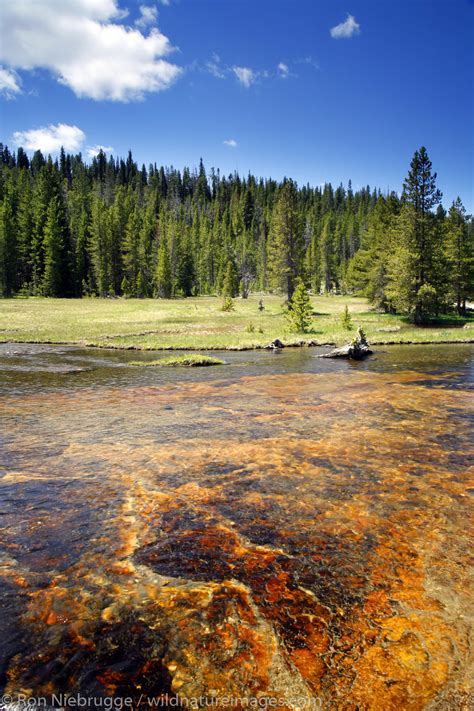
{"type": "Point", "coordinates": [280, 528]}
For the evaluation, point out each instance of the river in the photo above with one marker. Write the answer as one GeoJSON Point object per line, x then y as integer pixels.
{"type": "Point", "coordinates": [282, 530]}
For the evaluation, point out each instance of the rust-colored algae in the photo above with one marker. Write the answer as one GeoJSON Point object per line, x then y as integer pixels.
{"type": "Point", "coordinates": [299, 539]}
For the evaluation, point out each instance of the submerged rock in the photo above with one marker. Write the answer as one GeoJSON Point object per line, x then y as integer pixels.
{"type": "Point", "coordinates": [356, 350]}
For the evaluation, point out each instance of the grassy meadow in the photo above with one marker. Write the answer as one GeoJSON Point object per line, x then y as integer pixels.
{"type": "Point", "coordinates": [199, 323]}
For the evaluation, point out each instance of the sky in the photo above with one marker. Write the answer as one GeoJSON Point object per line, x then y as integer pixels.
{"type": "Point", "coordinates": [317, 90]}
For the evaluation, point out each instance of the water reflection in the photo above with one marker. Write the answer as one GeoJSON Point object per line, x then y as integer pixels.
{"type": "Point", "coordinates": [281, 526]}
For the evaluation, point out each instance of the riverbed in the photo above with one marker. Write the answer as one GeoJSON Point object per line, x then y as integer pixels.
{"type": "Point", "coordinates": [281, 528]}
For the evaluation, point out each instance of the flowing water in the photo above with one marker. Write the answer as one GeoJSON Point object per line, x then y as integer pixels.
{"type": "Point", "coordinates": [283, 529]}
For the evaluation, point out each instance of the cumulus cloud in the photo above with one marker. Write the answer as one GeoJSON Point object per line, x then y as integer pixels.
{"type": "Point", "coordinates": [85, 47]}
{"type": "Point", "coordinates": [245, 75]}
{"type": "Point", "coordinates": [345, 29]}
{"type": "Point", "coordinates": [283, 70]}
{"type": "Point", "coordinates": [148, 16]}
{"type": "Point", "coordinates": [231, 142]}
{"type": "Point", "coordinates": [49, 139]}
{"type": "Point", "coordinates": [92, 151]}
{"type": "Point", "coordinates": [9, 83]}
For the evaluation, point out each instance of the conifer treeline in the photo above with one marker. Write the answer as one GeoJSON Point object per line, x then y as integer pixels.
{"type": "Point", "coordinates": [68, 228]}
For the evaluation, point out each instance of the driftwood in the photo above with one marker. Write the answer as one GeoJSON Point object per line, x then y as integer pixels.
{"type": "Point", "coordinates": [356, 350]}
{"type": "Point", "coordinates": [276, 344]}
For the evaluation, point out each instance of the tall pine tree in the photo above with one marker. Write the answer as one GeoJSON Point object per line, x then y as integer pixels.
{"type": "Point", "coordinates": [417, 238]}
{"type": "Point", "coordinates": [286, 244]}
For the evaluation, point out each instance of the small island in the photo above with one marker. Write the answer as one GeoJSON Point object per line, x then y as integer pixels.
{"type": "Point", "coordinates": [185, 361]}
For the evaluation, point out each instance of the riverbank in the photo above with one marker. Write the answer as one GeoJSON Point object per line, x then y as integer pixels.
{"type": "Point", "coordinates": [200, 324]}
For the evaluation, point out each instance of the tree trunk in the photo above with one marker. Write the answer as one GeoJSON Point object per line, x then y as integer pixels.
{"type": "Point", "coordinates": [290, 288]}
{"type": "Point", "coordinates": [418, 317]}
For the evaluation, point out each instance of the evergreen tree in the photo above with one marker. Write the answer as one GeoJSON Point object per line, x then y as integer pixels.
{"type": "Point", "coordinates": [300, 311]}
{"type": "Point", "coordinates": [43, 192]}
{"type": "Point", "coordinates": [327, 254]}
{"type": "Point", "coordinates": [100, 238]}
{"type": "Point", "coordinates": [24, 231]}
{"type": "Point", "coordinates": [418, 235]}
{"type": "Point", "coordinates": [54, 262]}
{"type": "Point", "coordinates": [131, 249]}
{"type": "Point", "coordinates": [229, 286]}
{"type": "Point", "coordinates": [125, 229]}
{"type": "Point", "coordinates": [8, 245]}
{"type": "Point", "coordinates": [185, 268]}
{"type": "Point", "coordinates": [285, 250]}
{"type": "Point", "coordinates": [459, 248]}
{"type": "Point", "coordinates": [164, 282]}
{"type": "Point", "coordinates": [346, 320]}
{"type": "Point", "coordinates": [368, 270]}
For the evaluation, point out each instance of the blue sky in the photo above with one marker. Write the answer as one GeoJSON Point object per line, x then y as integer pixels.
{"type": "Point", "coordinates": [319, 90]}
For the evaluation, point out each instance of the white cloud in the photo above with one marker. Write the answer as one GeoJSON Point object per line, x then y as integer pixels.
{"type": "Point", "coordinates": [231, 142]}
{"type": "Point", "coordinates": [345, 29]}
{"type": "Point", "coordinates": [283, 70]}
{"type": "Point", "coordinates": [214, 67]}
{"type": "Point", "coordinates": [49, 139]}
{"type": "Point", "coordinates": [83, 45]}
{"type": "Point", "coordinates": [9, 83]}
{"type": "Point", "coordinates": [308, 60]}
{"type": "Point", "coordinates": [148, 16]}
{"type": "Point", "coordinates": [92, 151]}
{"type": "Point", "coordinates": [245, 75]}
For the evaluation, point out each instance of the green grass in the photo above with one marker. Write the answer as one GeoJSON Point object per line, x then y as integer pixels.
{"type": "Point", "coordinates": [199, 324]}
{"type": "Point", "coordinates": [192, 360]}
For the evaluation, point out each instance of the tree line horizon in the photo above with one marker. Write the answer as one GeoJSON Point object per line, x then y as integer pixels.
{"type": "Point", "coordinates": [109, 228]}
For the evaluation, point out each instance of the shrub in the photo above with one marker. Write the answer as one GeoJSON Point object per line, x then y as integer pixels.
{"type": "Point", "coordinates": [227, 304]}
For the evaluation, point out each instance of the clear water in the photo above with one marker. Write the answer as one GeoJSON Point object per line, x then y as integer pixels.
{"type": "Point", "coordinates": [280, 527]}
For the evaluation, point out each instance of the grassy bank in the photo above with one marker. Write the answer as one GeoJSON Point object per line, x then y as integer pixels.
{"type": "Point", "coordinates": [198, 323]}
